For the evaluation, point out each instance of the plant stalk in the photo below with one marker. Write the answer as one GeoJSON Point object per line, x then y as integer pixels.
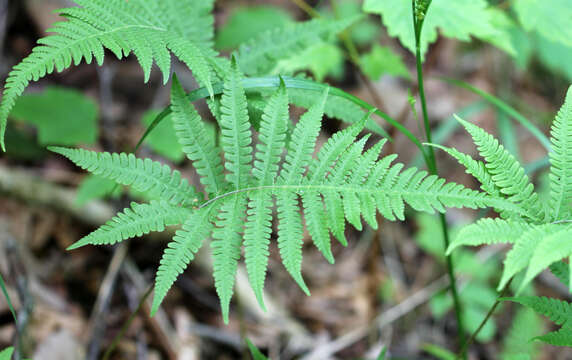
{"type": "Point", "coordinates": [432, 166]}
{"type": "Point", "coordinates": [127, 324]}
{"type": "Point", "coordinates": [482, 324]}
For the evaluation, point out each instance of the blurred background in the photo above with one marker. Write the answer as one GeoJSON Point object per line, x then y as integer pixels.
{"type": "Point", "coordinates": [387, 288]}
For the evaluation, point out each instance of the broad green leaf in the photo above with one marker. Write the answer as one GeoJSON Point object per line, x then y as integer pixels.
{"type": "Point", "coordinates": [6, 354]}
{"type": "Point", "coordinates": [382, 60]}
{"type": "Point", "coordinates": [551, 18]}
{"type": "Point", "coordinates": [62, 116]}
{"type": "Point", "coordinates": [458, 19]}
{"type": "Point", "coordinates": [554, 55]}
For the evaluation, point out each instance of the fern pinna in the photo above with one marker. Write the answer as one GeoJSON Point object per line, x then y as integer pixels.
{"type": "Point", "coordinates": [543, 235]}
{"type": "Point", "coordinates": [244, 182]}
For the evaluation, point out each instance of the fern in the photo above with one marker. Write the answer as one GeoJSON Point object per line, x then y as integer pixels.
{"type": "Point", "coordinates": [260, 55]}
{"type": "Point", "coordinates": [135, 221]}
{"type": "Point", "coordinates": [558, 311]}
{"type": "Point", "coordinates": [149, 29]}
{"type": "Point", "coordinates": [542, 237]}
{"type": "Point", "coordinates": [342, 182]}
{"type": "Point", "coordinates": [146, 176]}
{"type": "Point", "coordinates": [560, 160]}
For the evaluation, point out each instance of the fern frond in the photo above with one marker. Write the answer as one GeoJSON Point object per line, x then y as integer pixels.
{"type": "Point", "coordinates": [226, 249]}
{"type": "Point", "coordinates": [236, 136]}
{"type": "Point", "coordinates": [508, 175]}
{"type": "Point", "coordinates": [561, 161]}
{"type": "Point", "coordinates": [519, 256]}
{"type": "Point", "coordinates": [192, 136]}
{"type": "Point", "coordinates": [152, 177]}
{"type": "Point", "coordinates": [489, 231]}
{"type": "Point", "coordinates": [181, 251]}
{"type": "Point", "coordinates": [562, 337]}
{"type": "Point", "coordinates": [472, 167]}
{"type": "Point", "coordinates": [260, 55]}
{"type": "Point", "coordinates": [258, 225]}
{"type": "Point", "coordinates": [135, 221]}
{"type": "Point", "coordinates": [561, 270]}
{"type": "Point", "coordinates": [148, 29]}
{"type": "Point", "coordinates": [558, 311]}
{"type": "Point", "coordinates": [553, 248]}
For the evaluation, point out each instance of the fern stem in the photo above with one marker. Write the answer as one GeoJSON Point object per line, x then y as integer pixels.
{"type": "Point", "coordinates": [127, 324]}
{"type": "Point", "coordinates": [482, 324]}
{"type": "Point", "coordinates": [418, 20]}
{"type": "Point", "coordinates": [273, 82]}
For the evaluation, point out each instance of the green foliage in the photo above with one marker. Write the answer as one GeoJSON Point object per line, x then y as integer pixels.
{"type": "Point", "coordinates": [551, 18]}
{"type": "Point", "coordinates": [6, 354]}
{"type": "Point", "coordinates": [342, 181]}
{"type": "Point", "coordinates": [62, 116]}
{"type": "Point", "coordinates": [246, 22]}
{"type": "Point", "coordinates": [558, 311]}
{"type": "Point", "coordinates": [380, 61]}
{"type": "Point", "coordinates": [541, 237]}
{"type": "Point", "coordinates": [148, 28]}
{"type": "Point", "coordinates": [459, 19]}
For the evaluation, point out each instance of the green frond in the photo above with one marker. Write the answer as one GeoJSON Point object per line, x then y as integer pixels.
{"type": "Point", "coordinates": [561, 270]}
{"type": "Point", "coordinates": [273, 127]}
{"type": "Point", "coordinates": [552, 248]}
{"type": "Point", "coordinates": [562, 337]}
{"type": "Point", "coordinates": [236, 137]}
{"type": "Point", "coordinates": [192, 136]}
{"type": "Point", "coordinates": [152, 177]}
{"type": "Point", "coordinates": [489, 231]}
{"type": "Point", "coordinates": [181, 251]}
{"type": "Point", "coordinates": [137, 220]}
{"type": "Point", "coordinates": [150, 30]}
{"type": "Point", "coordinates": [258, 227]}
{"type": "Point", "coordinates": [520, 255]}
{"type": "Point", "coordinates": [302, 143]}
{"type": "Point", "coordinates": [558, 311]}
{"type": "Point", "coordinates": [260, 55]}
{"type": "Point", "coordinates": [257, 231]}
{"type": "Point", "coordinates": [290, 236]}
{"type": "Point", "coordinates": [561, 161]}
{"type": "Point", "coordinates": [316, 223]}
{"type": "Point", "coordinates": [507, 174]}
{"type": "Point", "coordinates": [473, 167]}
{"type": "Point", "coordinates": [225, 246]}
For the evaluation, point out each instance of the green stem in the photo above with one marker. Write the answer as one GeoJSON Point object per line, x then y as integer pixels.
{"type": "Point", "coordinates": [432, 165]}
{"type": "Point", "coordinates": [127, 324]}
{"type": "Point", "coordinates": [482, 324]}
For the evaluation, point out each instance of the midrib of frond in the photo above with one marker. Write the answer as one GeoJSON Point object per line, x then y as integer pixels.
{"type": "Point", "coordinates": [371, 191]}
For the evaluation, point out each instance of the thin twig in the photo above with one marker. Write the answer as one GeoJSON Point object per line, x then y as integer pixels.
{"type": "Point", "coordinates": [97, 319]}
{"type": "Point", "coordinates": [127, 324]}
{"type": "Point", "coordinates": [482, 324]}
{"type": "Point", "coordinates": [382, 320]}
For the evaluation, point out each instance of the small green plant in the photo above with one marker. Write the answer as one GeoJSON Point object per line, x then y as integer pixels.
{"type": "Point", "coordinates": [343, 182]}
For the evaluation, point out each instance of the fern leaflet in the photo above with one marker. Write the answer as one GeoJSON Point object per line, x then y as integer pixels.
{"type": "Point", "coordinates": [560, 312]}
